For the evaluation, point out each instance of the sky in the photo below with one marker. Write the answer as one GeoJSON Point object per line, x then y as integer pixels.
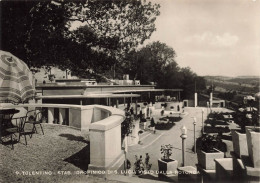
{"type": "Point", "coordinates": [212, 37]}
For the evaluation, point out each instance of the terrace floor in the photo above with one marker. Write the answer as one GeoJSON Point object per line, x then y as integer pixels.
{"type": "Point", "coordinates": [59, 155]}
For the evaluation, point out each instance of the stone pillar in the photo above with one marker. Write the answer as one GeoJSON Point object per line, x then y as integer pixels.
{"type": "Point", "coordinates": [62, 115]}
{"type": "Point", "coordinates": [211, 99]}
{"type": "Point", "coordinates": [136, 103]}
{"type": "Point", "coordinates": [195, 99]}
{"type": "Point", "coordinates": [116, 103]}
{"type": "Point", "coordinates": [50, 115]}
{"type": "Point", "coordinates": [105, 146]}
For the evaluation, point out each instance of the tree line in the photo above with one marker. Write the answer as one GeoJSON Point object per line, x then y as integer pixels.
{"type": "Point", "coordinates": [42, 33]}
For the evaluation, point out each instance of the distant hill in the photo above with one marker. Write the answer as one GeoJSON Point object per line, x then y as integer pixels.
{"type": "Point", "coordinates": [243, 84]}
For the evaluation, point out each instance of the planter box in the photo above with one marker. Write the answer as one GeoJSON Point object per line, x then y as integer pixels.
{"type": "Point", "coordinates": [167, 168]}
{"type": "Point", "coordinates": [206, 160]}
{"type": "Point", "coordinates": [239, 143]}
{"type": "Point", "coordinates": [253, 141]}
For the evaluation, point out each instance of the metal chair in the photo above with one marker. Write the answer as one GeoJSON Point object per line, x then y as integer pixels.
{"type": "Point", "coordinates": [35, 119]}
{"type": "Point", "coordinates": [22, 131]}
{"type": "Point", "coordinates": [10, 131]}
{"type": "Point", "coordinates": [17, 128]}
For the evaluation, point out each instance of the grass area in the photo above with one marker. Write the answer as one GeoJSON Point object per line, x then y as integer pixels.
{"type": "Point", "coordinates": [61, 153]}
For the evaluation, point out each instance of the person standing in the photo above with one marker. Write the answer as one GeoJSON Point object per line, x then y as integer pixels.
{"type": "Point", "coordinates": [147, 160]}
{"type": "Point", "coordinates": [152, 125]}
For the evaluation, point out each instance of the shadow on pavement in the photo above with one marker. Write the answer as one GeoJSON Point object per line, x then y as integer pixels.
{"type": "Point", "coordinates": [74, 138]}
{"type": "Point", "coordinates": [227, 137]}
{"type": "Point", "coordinates": [174, 119]}
{"type": "Point", "coordinates": [81, 159]}
{"type": "Point", "coordinates": [164, 126]}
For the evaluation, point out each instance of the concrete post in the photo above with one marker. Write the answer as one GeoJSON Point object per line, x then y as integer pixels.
{"type": "Point", "coordinates": [194, 123]}
{"type": "Point", "coordinates": [202, 121]}
{"type": "Point", "coordinates": [195, 99]}
{"type": "Point", "coordinates": [50, 115]}
{"type": "Point", "coordinates": [136, 106]}
{"type": "Point", "coordinates": [183, 137]}
{"type": "Point", "coordinates": [116, 103]}
{"type": "Point", "coordinates": [61, 115]}
{"type": "Point", "coordinates": [211, 99]}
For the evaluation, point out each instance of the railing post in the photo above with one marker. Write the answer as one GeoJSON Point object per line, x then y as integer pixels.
{"type": "Point", "coordinates": [117, 103]}
{"type": "Point", "coordinates": [62, 115]}
{"type": "Point", "coordinates": [50, 115]}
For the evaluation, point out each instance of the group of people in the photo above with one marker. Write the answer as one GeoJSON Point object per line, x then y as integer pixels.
{"type": "Point", "coordinates": [140, 166]}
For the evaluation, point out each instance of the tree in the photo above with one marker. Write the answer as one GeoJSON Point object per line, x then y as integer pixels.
{"type": "Point", "coordinates": [149, 63]}
{"type": "Point", "coordinates": [40, 32]}
{"type": "Point", "coordinates": [156, 63]}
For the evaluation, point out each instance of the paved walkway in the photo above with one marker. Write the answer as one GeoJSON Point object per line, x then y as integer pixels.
{"type": "Point", "coordinates": [151, 143]}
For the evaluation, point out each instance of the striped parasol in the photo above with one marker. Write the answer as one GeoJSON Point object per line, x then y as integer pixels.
{"type": "Point", "coordinates": [15, 79]}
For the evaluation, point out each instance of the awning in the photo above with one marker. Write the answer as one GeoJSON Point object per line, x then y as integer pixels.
{"type": "Point", "coordinates": [103, 95]}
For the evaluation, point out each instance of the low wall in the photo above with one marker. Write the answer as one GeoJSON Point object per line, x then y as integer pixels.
{"type": "Point", "coordinates": [103, 124]}
{"type": "Point", "coordinates": [105, 147]}
{"type": "Point", "coordinates": [76, 116]}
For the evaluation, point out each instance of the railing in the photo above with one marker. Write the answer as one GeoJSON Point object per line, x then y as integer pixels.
{"type": "Point", "coordinates": [76, 116]}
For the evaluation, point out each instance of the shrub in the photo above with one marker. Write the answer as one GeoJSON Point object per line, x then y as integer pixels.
{"type": "Point", "coordinates": [166, 150]}
{"type": "Point", "coordinates": [209, 143]}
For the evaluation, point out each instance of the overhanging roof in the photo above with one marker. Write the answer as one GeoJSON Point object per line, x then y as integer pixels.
{"type": "Point", "coordinates": [100, 95]}
{"type": "Point", "coordinates": [147, 90]}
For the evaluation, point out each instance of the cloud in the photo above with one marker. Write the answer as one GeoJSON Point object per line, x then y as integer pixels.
{"type": "Point", "coordinates": [225, 40]}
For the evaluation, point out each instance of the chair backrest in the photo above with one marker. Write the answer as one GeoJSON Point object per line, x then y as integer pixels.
{"type": "Point", "coordinates": [21, 123]}
{"type": "Point", "coordinates": [34, 115]}
{"type": "Point", "coordinates": [38, 116]}
{"type": "Point", "coordinates": [30, 115]}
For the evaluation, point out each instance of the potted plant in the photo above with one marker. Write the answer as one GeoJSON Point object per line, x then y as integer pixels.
{"type": "Point", "coordinates": [166, 164]}
{"type": "Point", "coordinates": [208, 152]}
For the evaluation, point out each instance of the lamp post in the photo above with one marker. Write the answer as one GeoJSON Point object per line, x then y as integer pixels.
{"type": "Point", "coordinates": [207, 110]}
{"type": "Point", "coordinates": [194, 123]}
{"type": "Point", "coordinates": [183, 137]}
{"type": "Point", "coordinates": [202, 110]}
